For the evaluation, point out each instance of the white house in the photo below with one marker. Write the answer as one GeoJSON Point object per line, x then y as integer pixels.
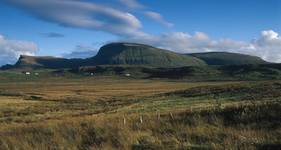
{"type": "Point", "coordinates": [127, 75]}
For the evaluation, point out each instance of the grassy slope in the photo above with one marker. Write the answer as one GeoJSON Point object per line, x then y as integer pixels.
{"type": "Point", "coordinates": [32, 62]}
{"type": "Point", "coordinates": [191, 73]}
{"type": "Point", "coordinates": [225, 58]}
{"type": "Point", "coordinates": [238, 127]}
{"type": "Point", "coordinates": [136, 54]}
{"type": "Point", "coordinates": [89, 113]}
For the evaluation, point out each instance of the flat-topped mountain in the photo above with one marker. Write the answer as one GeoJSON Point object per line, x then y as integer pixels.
{"type": "Point", "coordinates": [226, 58]}
{"type": "Point", "coordinates": [139, 54]}
{"type": "Point", "coordinates": [35, 62]}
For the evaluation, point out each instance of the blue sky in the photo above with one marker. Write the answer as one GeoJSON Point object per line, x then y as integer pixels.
{"type": "Point", "coordinates": [60, 27]}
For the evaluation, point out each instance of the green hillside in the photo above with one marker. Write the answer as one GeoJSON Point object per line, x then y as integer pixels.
{"type": "Point", "coordinates": [192, 73]}
{"type": "Point", "coordinates": [225, 58]}
{"type": "Point", "coordinates": [137, 54]}
{"type": "Point", "coordinates": [32, 62]}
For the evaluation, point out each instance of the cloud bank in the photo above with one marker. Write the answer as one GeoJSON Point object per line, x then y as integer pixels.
{"type": "Point", "coordinates": [158, 18]}
{"type": "Point", "coordinates": [155, 16]}
{"type": "Point", "coordinates": [82, 14]}
{"type": "Point", "coordinates": [266, 46]}
{"type": "Point", "coordinates": [10, 50]}
{"type": "Point", "coordinates": [90, 15]}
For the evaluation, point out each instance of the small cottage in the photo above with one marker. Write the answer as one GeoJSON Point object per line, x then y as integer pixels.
{"type": "Point", "coordinates": [127, 75]}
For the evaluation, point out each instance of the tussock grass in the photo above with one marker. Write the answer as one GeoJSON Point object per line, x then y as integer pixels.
{"type": "Point", "coordinates": [226, 128]}
{"type": "Point", "coordinates": [118, 113]}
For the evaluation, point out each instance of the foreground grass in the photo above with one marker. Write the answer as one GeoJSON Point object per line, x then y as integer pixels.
{"type": "Point", "coordinates": [57, 98]}
{"type": "Point", "coordinates": [125, 113]}
{"type": "Point", "coordinates": [241, 127]}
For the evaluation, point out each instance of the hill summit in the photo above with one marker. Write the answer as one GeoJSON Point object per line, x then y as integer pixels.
{"type": "Point", "coordinates": [226, 58]}
{"type": "Point", "coordinates": [139, 54]}
{"type": "Point", "coordinates": [34, 62]}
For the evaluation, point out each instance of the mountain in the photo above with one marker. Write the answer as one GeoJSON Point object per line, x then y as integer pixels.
{"type": "Point", "coordinates": [136, 55]}
{"type": "Point", "coordinates": [139, 54]}
{"type": "Point", "coordinates": [226, 58]}
{"type": "Point", "coordinates": [216, 73]}
{"type": "Point", "coordinates": [35, 62]}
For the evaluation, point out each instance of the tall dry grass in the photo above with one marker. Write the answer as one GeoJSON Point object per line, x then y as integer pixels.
{"type": "Point", "coordinates": [243, 127]}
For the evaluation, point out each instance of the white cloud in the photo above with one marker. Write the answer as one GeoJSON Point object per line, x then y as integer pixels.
{"type": "Point", "coordinates": [131, 3]}
{"type": "Point", "coordinates": [158, 18]}
{"type": "Point", "coordinates": [155, 16]}
{"type": "Point", "coordinates": [201, 36]}
{"type": "Point", "coordinates": [89, 15]}
{"type": "Point", "coordinates": [82, 14]}
{"type": "Point", "coordinates": [10, 50]}
{"type": "Point", "coordinates": [267, 46]}
{"type": "Point", "coordinates": [269, 35]}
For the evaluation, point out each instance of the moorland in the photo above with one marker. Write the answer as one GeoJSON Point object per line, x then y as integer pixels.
{"type": "Point", "coordinates": [123, 102]}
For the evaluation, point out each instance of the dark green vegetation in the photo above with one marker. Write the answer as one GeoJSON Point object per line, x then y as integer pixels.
{"type": "Point", "coordinates": [137, 54]}
{"type": "Point", "coordinates": [218, 73]}
{"type": "Point", "coordinates": [48, 62]}
{"type": "Point", "coordinates": [225, 58]}
{"type": "Point", "coordinates": [190, 73]}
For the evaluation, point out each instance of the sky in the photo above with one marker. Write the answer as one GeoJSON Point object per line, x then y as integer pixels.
{"type": "Point", "coordinates": [78, 28]}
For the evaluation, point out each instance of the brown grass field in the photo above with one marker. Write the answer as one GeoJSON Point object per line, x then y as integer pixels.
{"type": "Point", "coordinates": [138, 114]}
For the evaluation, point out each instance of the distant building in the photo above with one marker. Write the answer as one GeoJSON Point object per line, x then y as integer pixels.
{"type": "Point", "coordinates": [127, 75]}
{"type": "Point", "coordinates": [27, 73]}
